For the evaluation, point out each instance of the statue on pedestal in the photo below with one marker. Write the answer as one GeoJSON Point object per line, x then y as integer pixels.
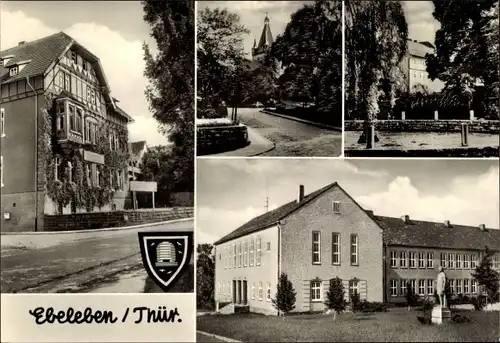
{"type": "Point", "coordinates": [440, 287]}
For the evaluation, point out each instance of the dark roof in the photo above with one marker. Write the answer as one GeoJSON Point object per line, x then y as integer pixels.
{"type": "Point", "coordinates": [41, 53]}
{"type": "Point", "coordinates": [420, 233]}
{"type": "Point", "coordinates": [137, 147]}
{"type": "Point", "coordinates": [266, 37]}
{"type": "Point", "coordinates": [124, 114]}
{"type": "Point", "coordinates": [272, 217]}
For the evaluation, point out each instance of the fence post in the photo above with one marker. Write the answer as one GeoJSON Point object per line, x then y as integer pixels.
{"type": "Point", "coordinates": [403, 115]}
{"type": "Point", "coordinates": [465, 134]}
{"type": "Point", "coordinates": [471, 115]}
{"type": "Point", "coordinates": [436, 115]}
{"type": "Point", "coordinates": [370, 136]}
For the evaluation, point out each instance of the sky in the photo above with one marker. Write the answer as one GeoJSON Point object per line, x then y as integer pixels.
{"type": "Point", "coordinates": [230, 192]}
{"type": "Point", "coordinates": [252, 14]}
{"type": "Point", "coordinates": [114, 31]}
{"type": "Point", "coordinates": [421, 24]}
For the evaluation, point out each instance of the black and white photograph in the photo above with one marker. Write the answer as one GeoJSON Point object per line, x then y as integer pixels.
{"type": "Point", "coordinates": [269, 78]}
{"type": "Point", "coordinates": [97, 145]}
{"type": "Point", "coordinates": [421, 79]}
{"type": "Point", "coordinates": [352, 250]}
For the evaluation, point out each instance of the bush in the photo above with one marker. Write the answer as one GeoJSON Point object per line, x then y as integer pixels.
{"type": "Point", "coordinates": [335, 296]}
{"type": "Point", "coordinates": [424, 320]}
{"type": "Point", "coordinates": [461, 319]}
{"type": "Point", "coordinates": [427, 305]}
{"type": "Point", "coordinates": [411, 298]}
{"type": "Point", "coordinates": [479, 303]}
{"type": "Point", "coordinates": [356, 302]}
{"type": "Point", "coordinates": [367, 306]}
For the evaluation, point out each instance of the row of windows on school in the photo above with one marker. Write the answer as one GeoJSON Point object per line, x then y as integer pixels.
{"type": "Point", "coordinates": [426, 287]}
{"type": "Point", "coordinates": [405, 259]}
{"type": "Point", "coordinates": [257, 290]}
{"type": "Point", "coordinates": [243, 254]}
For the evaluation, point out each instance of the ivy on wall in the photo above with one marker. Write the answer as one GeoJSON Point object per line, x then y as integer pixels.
{"type": "Point", "coordinates": [74, 187]}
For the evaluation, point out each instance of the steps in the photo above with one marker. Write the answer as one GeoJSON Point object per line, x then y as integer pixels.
{"type": "Point", "coordinates": [234, 308]}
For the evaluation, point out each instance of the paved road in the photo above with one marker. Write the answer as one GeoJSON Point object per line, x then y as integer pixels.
{"type": "Point", "coordinates": [292, 138]}
{"type": "Point", "coordinates": [108, 262]}
{"type": "Point", "coordinates": [206, 338]}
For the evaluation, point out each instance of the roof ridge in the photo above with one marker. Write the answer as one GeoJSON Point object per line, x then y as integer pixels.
{"type": "Point", "coordinates": [36, 41]}
{"type": "Point", "coordinates": [433, 222]}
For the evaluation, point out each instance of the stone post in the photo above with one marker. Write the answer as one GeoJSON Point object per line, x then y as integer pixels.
{"type": "Point", "coordinates": [471, 115]}
{"type": "Point", "coordinates": [436, 115]}
{"type": "Point", "coordinates": [216, 306]}
{"type": "Point", "coordinates": [370, 136]}
{"type": "Point", "coordinates": [403, 115]}
{"type": "Point", "coordinates": [465, 134]}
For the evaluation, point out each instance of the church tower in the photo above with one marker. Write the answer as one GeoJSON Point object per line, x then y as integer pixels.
{"type": "Point", "coordinates": [265, 42]}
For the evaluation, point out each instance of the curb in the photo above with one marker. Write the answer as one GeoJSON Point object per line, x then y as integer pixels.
{"type": "Point", "coordinates": [222, 338]}
{"type": "Point", "coordinates": [123, 228]}
{"type": "Point", "coordinates": [324, 126]}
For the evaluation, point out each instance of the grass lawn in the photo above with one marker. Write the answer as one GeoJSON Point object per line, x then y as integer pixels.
{"type": "Point", "coordinates": [397, 326]}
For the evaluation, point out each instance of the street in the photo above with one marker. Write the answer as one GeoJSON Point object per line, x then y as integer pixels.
{"type": "Point", "coordinates": [109, 262]}
{"type": "Point", "coordinates": [292, 138]}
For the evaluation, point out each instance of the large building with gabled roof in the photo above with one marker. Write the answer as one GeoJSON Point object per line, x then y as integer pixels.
{"type": "Point", "coordinates": [61, 130]}
{"type": "Point", "coordinates": [327, 234]}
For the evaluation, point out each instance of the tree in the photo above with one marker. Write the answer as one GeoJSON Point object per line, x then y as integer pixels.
{"type": "Point", "coordinates": [376, 36]}
{"type": "Point", "coordinates": [486, 276]}
{"type": "Point", "coordinates": [171, 76]}
{"type": "Point", "coordinates": [156, 165]}
{"type": "Point", "coordinates": [220, 54]}
{"type": "Point", "coordinates": [285, 298]}
{"type": "Point", "coordinates": [411, 297]}
{"type": "Point", "coordinates": [205, 276]}
{"type": "Point", "coordinates": [335, 297]}
{"type": "Point", "coordinates": [264, 79]}
{"type": "Point", "coordinates": [466, 46]}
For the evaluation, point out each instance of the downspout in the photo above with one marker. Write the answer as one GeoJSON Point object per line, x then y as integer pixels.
{"type": "Point", "coordinates": [279, 255]}
{"type": "Point", "coordinates": [36, 152]}
{"type": "Point", "coordinates": [384, 273]}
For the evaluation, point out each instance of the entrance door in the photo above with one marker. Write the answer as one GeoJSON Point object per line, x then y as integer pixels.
{"type": "Point", "coordinates": [245, 292]}
{"type": "Point", "coordinates": [234, 291]}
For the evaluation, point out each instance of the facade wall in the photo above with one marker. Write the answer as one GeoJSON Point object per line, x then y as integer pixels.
{"type": "Point", "coordinates": [318, 215]}
{"type": "Point", "coordinates": [261, 279]}
{"type": "Point", "coordinates": [401, 270]}
{"type": "Point", "coordinates": [415, 71]}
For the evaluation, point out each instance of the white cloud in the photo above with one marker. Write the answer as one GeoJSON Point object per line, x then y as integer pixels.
{"type": "Point", "coordinates": [121, 59]}
{"type": "Point", "coordinates": [472, 200]}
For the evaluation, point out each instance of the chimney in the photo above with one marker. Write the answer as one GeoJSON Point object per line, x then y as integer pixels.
{"type": "Point", "coordinates": [21, 43]}
{"type": "Point", "coordinates": [447, 223]}
{"type": "Point", "coordinates": [406, 219]}
{"type": "Point", "coordinates": [369, 212]}
{"type": "Point", "coordinates": [301, 193]}
{"type": "Point", "coordinates": [482, 227]}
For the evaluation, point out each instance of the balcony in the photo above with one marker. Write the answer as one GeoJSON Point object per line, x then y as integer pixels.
{"type": "Point", "coordinates": [72, 125]}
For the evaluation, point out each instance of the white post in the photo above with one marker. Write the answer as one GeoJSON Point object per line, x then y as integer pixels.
{"type": "Point", "coordinates": [216, 306]}
{"type": "Point", "coordinates": [403, 115]}
{"type": "Point", "coordinates": [471, 113]}
{"type": "Point", "coordinates": [153, 193]}
{"type": "Point", "coordinates": [436, 115]}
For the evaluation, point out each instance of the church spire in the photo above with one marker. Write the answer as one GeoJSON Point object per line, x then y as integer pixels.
{"type": "Point", "coordinates": [254, 43]}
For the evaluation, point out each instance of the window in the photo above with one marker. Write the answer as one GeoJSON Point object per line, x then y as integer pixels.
{"type": "Point", "coordinates": [78, 119]}
{"type": "Point", "coordinates": [88, 94]}
{"type": "Point", "coordinates": [466, 261]}
{"type": "Point", "coordinates": [496, 261]}
{"type": "Point", "coordinates": [459, 261]}
{"type": "Point", "coordinates": [84, 65]}
{"type": "Point", "coordinates": [459, 286]}
{"type": "Point", "coordinates": [430, 286]}
{"type": "Point", "coordinates": [316, 247]}
{"type": "Point", "coordinates": [403, 257]}
{"type": "Point", "coordinates": [252, 243]}
{"type": "Point", "coordinates": [451, 261]}
{"type": "Point", "coordinates": [268, 292]}
{"type": "Point", "coordinates": [421, 287]}
{"type": "Point", "coordinates": [2, 121]}
{"type": "Point", "coordinates": [259, 255]}
{"type": "Point", "coordinates": [466, 286]}
{"type": "Point", "coordinates": [413, 285]}
{"type": "Point", "coordinates": [402, 287]}
{"type": "Point", "coordinates": [57, 164]}
{"type": "Point", "coordinates": [394, 288]}
{"type": "Point", "coordinates": [413, 259]}
{"type": "Point", "coordinates": [70, 172]}
{"type": "Point", "coordinates": [443, 260]}
{"type": "Point", "coordinates": [415, 74]}
{"type": "Point", "coordinates": [87, 131]}
{"type": "Point", "coordinates": [268, 246]}
{"type": "Point", "coordinates": [61, 113]}
{"type": "Point", "coordinates": [240, 255]}
{"type": "Point", "coordinates": [336, 248]}
{"type": "Point", "coordinates": [473, 261]}
{"type": "Point", "coordinates": [1, 171]}
{"type": "Point", "coordinates": [421, 260]}
{"type": "Point", "coordinates": [261, 291]}
{"type": "Point", "coordinates": [73, 57]}
{"type": "Point", "coordinates": [220, 287]}
{"type": "Point", "coordinates": [430, 260]}
{"type": "Point", "coordinates": [67, 82]}
{"type": "Point", "coordinates": [71, 117]}
{"type": "Point", "coordinates": [353, 287]}
{"type": "Point", "coordinates": [245, 254]}
{"type": "Point", "coordinates": [235, 256]}
{"type": "Point", "coordinates": [394, 259]}
{"type": "Point", "coordinates": [92, 97]}
{"type": "Point", "coordinates": [452, 286]}
{"type": "Point", "coordinates": [253, 290]}
{"type": "Point", "coordinates": [316, 291]}
{"type": "Point", "coordinates": [230, 257]}
{"type": "Point", "coordinates": [473, 286]}
{"type": "Point", "coordinates": [336, 207]}
{"type": "Point", "coordinates": [354, 250]}
{"type": "Point", "coordinates": [13, 71]}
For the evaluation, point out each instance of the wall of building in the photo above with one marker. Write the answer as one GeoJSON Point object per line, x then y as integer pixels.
{"type": "Point", "coordinates": [415, 71]}
{"type": "Point", "coordinates": [266, 273]}
{"type": "Point", "coordinates": [426, 272]}
{"type": "Point", "coordinates": [296, 246]}
{"type": "Point", "coordinates": [18, 151]}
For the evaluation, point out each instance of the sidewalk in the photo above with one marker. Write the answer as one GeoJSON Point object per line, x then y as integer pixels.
{"type": "Point", "coordinates": [258, 145]}
{"type": "Point", "coordinates": [323, 126]}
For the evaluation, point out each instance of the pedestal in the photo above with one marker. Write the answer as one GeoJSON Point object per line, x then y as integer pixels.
{"type": "Point", "coordinates": [440, 315]}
